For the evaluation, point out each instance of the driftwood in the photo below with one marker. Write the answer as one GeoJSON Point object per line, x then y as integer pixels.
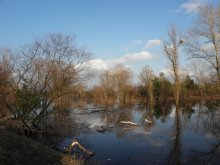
{"type": "Point", "coordinates": [148, 121]}
{"type": "Point", "coordinates": [128, 122]}
{"type": "Point", "coordinates": [75, 143]}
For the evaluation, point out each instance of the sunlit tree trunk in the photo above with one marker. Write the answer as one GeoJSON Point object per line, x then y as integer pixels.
{"type": "Point", "coordinates": [171, 47]}
{"type": "Point", "coordinates": [175, 153]}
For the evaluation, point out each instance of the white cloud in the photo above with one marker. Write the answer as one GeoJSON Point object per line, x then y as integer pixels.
{"type": "Point", "coordinates": [193, 6]}
{"type": "Point", "coordinates": [152, 43]}
{"type": "Point", "coordinates": [141, 44]}
{"type": "Point", "coordinates": [144, 55]}
{"type": "Point", "coordinates": [99, 64]}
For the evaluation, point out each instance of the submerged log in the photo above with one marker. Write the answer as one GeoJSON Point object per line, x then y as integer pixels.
{"type": "Point", "coordinates": [128, 122]}
{"type": "Point", "coordinates": [75, 143]}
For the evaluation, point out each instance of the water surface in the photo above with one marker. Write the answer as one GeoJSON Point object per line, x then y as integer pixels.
{"type": "Point", "coordinates": [184, 135]}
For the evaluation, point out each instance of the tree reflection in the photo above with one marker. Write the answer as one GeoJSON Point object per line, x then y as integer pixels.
{"type": "Point", "coordinates": [188, 110]}
{"type": "Point", "coordinates": [175, 154]}
{"type": "Point", "coordinates": [210, 157]}
{"type": "Point", "coordinates": [208, 115]}
{"type": "Point", "coordinates": [148, 113]}
{"type": "Point", "coordinates": [124, 116]}
{"type": "Point", "coordinates": [161, 111]}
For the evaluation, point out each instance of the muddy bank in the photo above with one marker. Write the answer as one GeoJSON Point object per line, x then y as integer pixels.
{"type": "Point", "coordinates": [20, 150]}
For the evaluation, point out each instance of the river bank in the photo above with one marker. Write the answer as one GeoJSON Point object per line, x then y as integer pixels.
{"type": "Point", "coordinates": [19, 149]}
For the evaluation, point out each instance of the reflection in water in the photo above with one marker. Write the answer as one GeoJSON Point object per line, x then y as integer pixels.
{"type": "Point", "coordinates": [175, 154]}
{"type": "Point", "coordinates": [209, 115]}
{"type": "Point", "coordinates": [206, 157]}
{"type": "Point", "coordinates": [194, 129]}
{"type": "Point", "coordinates": [162, 111]}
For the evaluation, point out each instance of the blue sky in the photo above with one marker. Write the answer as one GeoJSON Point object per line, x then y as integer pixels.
{"type": "Point", "coordinates": [113, 30]}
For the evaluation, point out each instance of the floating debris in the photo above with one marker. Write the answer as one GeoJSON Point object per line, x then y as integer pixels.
{"type": "Point", "coordinates": [128, 122]}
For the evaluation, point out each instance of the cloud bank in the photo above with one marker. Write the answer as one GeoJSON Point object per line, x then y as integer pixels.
{"type": "Point", "coordinates": [99, 64]}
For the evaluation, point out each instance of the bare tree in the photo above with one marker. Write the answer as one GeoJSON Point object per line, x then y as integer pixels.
{"type": "Point", "coordinates": [201, 73]}
{"type": "Point", "coordinates": [5, 75]}
{"type": "Point", "coordinates": [146, 77]}
{"type": "Point", "coordinates": [122, 79]}
{"type": "Point", "coordinates": [203, 39]}
{"type": "Point", "coordinates": [98, 94]}
{"type": "Point", "coordinates": [108, 84]}
{"type": "Point", "coordinates": [171, 48]}
{"type": "Point", "coordinates": [46, 74]}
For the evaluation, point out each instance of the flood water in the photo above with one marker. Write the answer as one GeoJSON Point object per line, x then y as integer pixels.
{"type": "Point", "coordinates": [183, 135]}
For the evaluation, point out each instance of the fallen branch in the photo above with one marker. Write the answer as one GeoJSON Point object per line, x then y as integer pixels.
{"type": "Point", "coordinates": [148, 121]}
{"type": "Point", "coordinates": [75, 143]}
{"type": "Point", "coordinates": [128, 122]}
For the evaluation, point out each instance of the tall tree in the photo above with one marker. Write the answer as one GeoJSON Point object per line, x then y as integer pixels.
{"type": "Point", "coordinates": [5, 75]}
{"type": "Point", "coordinates": [146, 77]}
{"type": "Point", "coordinates": [203, 39]}
{"type": "Point", "coordinates": [122, 78]}
{"type": "Point", "coordinates": [171, 50]}
{"type": "Point", "coordinates": [108, 84]}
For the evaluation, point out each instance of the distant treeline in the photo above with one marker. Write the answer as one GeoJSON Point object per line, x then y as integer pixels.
{"type": "Point", "coordinates": [115, 87]}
